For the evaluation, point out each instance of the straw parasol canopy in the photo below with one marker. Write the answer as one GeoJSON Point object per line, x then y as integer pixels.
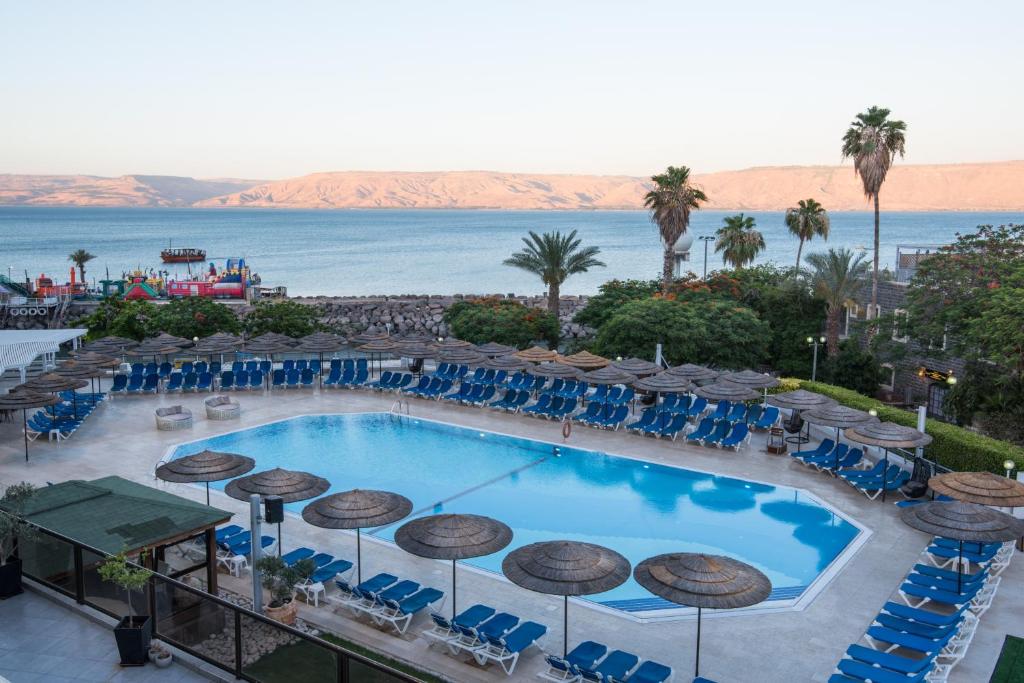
{"type": "Point", "coordinates": [887, 435]}
{"type": "Point", "coordinates": [76, 370]}
{"type": "Point", "coordinates": [416, 339]}
{"type": "Point", "coordinates": [463, 355]}
{"type": "Point", "coordinates": [703, 581]}
{"type": "Point", "coordinates": [154, 348]}
{"type": "Point", "coordinates": [664, 382]}
{"type": "Point", "coordinates": [838, 416]}
{"type": "Point", "coordinates": [357, 509]}
{"type": "Point", "coordinates": [984, 488]}
{"type": "Point", "coordinates": [509, 362]}
{"type": "Point", "coordinates": [584, 360]}
{"type": "Point", "coordinates": [609, 375]}
{"type": "Point", "coordinates": [367, 336]}
{"type": "Point", "coordinates": [384, 345]}
{"type": "Point", "coordinates": [453, 537]}
{"type": "Point", "coordinates": [494, 349]}
{"type": "Point", "coordinates": [95, 359]}
{"type": "Point", "coordinates": [694, 373]}
{"type": "Point", "coordinates": [550, 369]}
{"type": "Point", "coordinates": [637, 366]}
{"type": "Point", "coordinates": [800, 400]}
{"type": "Point", "coordinates": [209, 346]}
{"type": "Point", "coordinates": [415, 351]}
{"type": "Point", "coordinates": [24, 400]}
{"type": "Point", "coordinates": [52, 382]}
{"type": "Point", "coordinates": [536, 354]}
{"type": "Point", "coordinates": [265, 344]}
{"type": "Point", "coordinates": [224, 338]}
{"type": "Point", "coordinates": [750, 379]}
{"type": "Point", "coordinates": [962, 522]}
{"type": "Point", "coordinates": [726, 391]}
{"type": "Point", "coordinates": [113, 344]}
{"type": "Point", "coordinates": [451, 343]}
{"type": "Point", "coordinates": [565, 568]}
{"type": "Point", "coordinates": [205, 466]}
{"type": "Point", "coordinates": [169, 339]}
{"type": "Point", "coordinates": [291, 486]}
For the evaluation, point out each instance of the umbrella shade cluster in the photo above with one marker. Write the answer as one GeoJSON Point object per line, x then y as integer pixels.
{"type": "Point", "coordinates": [452, 343]}
{"type": "Point", "coordinates": [205, 466]}
{"type": "Point", "coordinates": [367, 336]}
{"type": "Point", "coordinates": [270, 343]}
{"type": "Point", "coordinates": [637, 366]}
{"type": "Point", "coordinates": [749, 379]}
{"type": "Point", "coordinates": [169, 340]}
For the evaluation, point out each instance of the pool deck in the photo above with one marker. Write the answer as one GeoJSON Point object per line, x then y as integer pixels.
{"type": "Point", "coordinates": [763, 646]}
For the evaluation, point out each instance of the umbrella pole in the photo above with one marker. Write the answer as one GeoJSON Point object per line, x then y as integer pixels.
{"type": "Point", "coordinates": [278, 539]}
{"type": "Point", "coordinates": [359, 559]}
{"type": "Point", "coordinates": [207, 493]}
{"type": "Point", "coordinates": [24, 425]}
{"type": "Point", "coordinates": [565, 625]}
{"type": "Point", "coordinates": [885, 473]}
{"type": "Point", "coordinates": [696, 667]}
{"type": "Point", "coordinates": [453, 590]}
{"type": "Point", "coordinates": [960, 570]}
{"type": "Point", "coordinates": [835, 467]}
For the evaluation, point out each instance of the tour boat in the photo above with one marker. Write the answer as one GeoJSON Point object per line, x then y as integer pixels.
{"type": "Point", "coordinates": [183, 255]}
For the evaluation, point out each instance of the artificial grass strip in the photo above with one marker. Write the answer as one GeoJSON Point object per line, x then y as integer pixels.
{"type": "Point", "coordinates": [1010, 666]}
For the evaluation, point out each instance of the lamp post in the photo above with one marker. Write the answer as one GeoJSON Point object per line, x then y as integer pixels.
{"type": "Point", "coordinates": [1009, 466]}
{"type": "Point", "coordinates": [815, 342]}
{"type": "Point", "coordinates": [705, 239]}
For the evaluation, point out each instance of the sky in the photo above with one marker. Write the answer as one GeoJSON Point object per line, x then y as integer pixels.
{"type": "Point", "coordinates": [272, 90]}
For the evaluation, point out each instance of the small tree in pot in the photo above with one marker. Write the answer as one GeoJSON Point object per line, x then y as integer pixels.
{"type": "Point", "coordinates": [13, 528]}
{"type": "Point", "coordinates": [280, 579]}
{"type": "Point", "coordinates": [133, 633]}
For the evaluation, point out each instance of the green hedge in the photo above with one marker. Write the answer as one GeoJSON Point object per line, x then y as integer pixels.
{"type": "Point", "coordinates": [953, 447]}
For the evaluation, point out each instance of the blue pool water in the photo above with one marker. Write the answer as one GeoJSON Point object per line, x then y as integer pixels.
{"type": "Point", "coordinates": [636, 508]}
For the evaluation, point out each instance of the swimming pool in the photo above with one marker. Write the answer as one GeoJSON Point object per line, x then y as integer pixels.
{"type": "Point", "coordinates": [547, 492]}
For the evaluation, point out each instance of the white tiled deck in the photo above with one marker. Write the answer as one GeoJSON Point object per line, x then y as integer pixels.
{"type": "Point", "coordinates": [759, 647]}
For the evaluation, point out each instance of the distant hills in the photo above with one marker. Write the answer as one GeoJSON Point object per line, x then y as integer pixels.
{"type": "Point", "coordinates": [954, 187]}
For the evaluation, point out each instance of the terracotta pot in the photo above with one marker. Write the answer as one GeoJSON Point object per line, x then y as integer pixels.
{"type": "Point", "coordinates": [286, 614]}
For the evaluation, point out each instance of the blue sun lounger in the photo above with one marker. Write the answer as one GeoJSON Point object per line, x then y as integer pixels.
{"type": "Point", "coordinates": [399, 613]}
{"type": "Point", "coordinates": [886, 660]}
{"type": "Point", "coordinates": [293, 556]}
{"type": "Point", "coordinates": [227, 380]}
{"type": "Point", "coordinates": [225, 532]}
{"type": "Point", "coordinates": [617, 664]}
{"type": "Point", "coordinates": [205, 382]}
{"type": "Point", "coordinates": [737, 436]}
{"type": "Point", "coordinates": [584, 655]}
{"type": "Point", "coordinates": [191, 382]}
{"type": "Point", "coordinates": [769, 416]}
{"type": "Point", "coordinates": [540, 407]}
{"type": "Point", "coordinates": [651, 672]}
{"type": "Point", "coordinates": [647, 417]}
{"type": "Point", "coordinates": [173, 383]}
{"type": "Point", "coordinates": [443, 630]}
{"type": "Point", "coordinates": [616, 419]}
{"type": "Point", "coordinates": [673, 428]}
{"type": "Point", "coordinates": [120, 384]}
{"type": "Point", "coordinates": [819, 451]}
{"type": "Point", "coordinates": [852, 670]}
{"type": "Point", "coordinates": [703, 430]}
{"type": "Point", "coordinates": [470, 638]}
{"type": "Point", "coordinates": [505, 650]}
{"type": "Point", "coordinates": [836, 453]}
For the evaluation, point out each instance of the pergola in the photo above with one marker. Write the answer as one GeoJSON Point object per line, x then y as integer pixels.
{"type": "Point", "coordinates": [20, 348]}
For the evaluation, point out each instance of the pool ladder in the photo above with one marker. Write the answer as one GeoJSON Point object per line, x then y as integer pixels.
{"type": "Point", "coordinates": [398, 406]}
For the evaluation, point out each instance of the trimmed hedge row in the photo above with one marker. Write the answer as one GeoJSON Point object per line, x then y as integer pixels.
{"type": "Point", "coordinates": [953, 447]}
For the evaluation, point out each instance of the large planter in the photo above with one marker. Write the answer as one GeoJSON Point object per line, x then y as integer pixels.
{"type": "Point", "coordinates": [285, 614]}
{"type": "Point", "coordinates": [133, 635]}
{"type": "Point", "coordinates": [10, 578]}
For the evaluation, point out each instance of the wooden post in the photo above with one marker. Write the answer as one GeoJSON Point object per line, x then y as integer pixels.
{"type": "Point", "coordinates": [211, 561]}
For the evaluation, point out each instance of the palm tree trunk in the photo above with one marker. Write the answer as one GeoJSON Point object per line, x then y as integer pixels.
{"type": "Point", "coordinates": [872, 312]}
{"type": "Point", "coordinates": [832, 330]}
{"type": "Point", "coordinates": [81, 273]}
{"type": "Point", "coordinates": [799, 251]}
{"type": "Point", "coordinates": [668, 267]}
{"type": "Point", "coordinates": [553, 296]}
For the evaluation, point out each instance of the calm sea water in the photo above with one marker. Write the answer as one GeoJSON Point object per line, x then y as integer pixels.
{"type": "Point", "coordinates": [357, 252]}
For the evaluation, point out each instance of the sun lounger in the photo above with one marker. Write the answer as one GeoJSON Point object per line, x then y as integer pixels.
{"type": "Point", "coordinates": [738, 435]}
{"type": "Point", "coordinates": [703, 430]}
{"type": "Point", "coordinates": [673, 428]}
{"type": "Point", "coordinates": [191, 382]}
{"type": "Point", "coordinates": [372, 595]}
{"type": "Point", "coordinates": [400, 613]}
{"type": "Point", "coordinates": [872, 487]}
{"type": "Point", "coordinates": [648, 672]}
{"type": "Point", "coordinates": [471, 638]}
{"type": "Point", "coordinates": [896, 623]}
{"type": "Point", "coordinates": [225, 532]}
{"type": "Point", "coordinates": [898, 663]}
{"type": "Point", "coordinates": [423, 382]}
{"type": "Point", "coordinates": [227, 380]}
{"type": "Point", "coordinates": [616, 419]}
{"type": "Point", "coordinates": [291, 378]}
{"type": "Point", "coordinates": [768, 418]}
{"type": "Point", "coordinates": [333, 377]}
{"type": "Point", "coordinates": [256, 379]}
{"type": "Point", "coordinates": [738, 413]}
{"type": "Point", "coordinates": [854, 670]}
{"type": "Point", "coordinates": [459, 394]}
{"type": "Point", "coordinates": [241, 380]}
{"type": "Point", "coordinates": [363, 594]}
{"type": "Point", "coordinates": [293, 556]}
{"type": "Point", "coordinates": [887, 639]}
{"type": "Point", "coordinates": [647, 417]}
{"type": "Point", "coordinates": [306, 377]}
{"type": "Point", "coordinates": [174, 383]}
{"type": "Point", "coordinates": [151, 384]}
{"type": "Point", "coordinates": [873, 472]}
{"type": "Point", "coordinates": [584, 655]}
{"type": "Point", "coordinates": [592, 415]}
{"type": "Point", "coordinates": [382, 382]}
{"type": "Point", "coordinates": [716, 437]}
{"type": "Point", "coordinates": [505, 650]}
{"type": "Point", "coordinates": [820, 451]}
{"type": "Point", "coordinates": [443, 630]}
{"type": "Point", "coordinates": [540, 407]}
{"type": "Point", "coordinates": [616, 665]}
{"type": "Point", "coordinates": [567, 408]}
{"type": "Point", "coordinates": [120, 384]}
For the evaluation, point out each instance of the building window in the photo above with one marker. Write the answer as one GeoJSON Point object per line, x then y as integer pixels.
{"type": "Point", "coordinates": [940, 343]}
{"type": "Point", "coordinates": [889, 377]}
{"type": "Point", "coordinates": [852, 314]}
{"type": "Point", "coordinates": [899, 326]}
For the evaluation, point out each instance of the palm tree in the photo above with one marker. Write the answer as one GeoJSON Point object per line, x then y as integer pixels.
{"type": "Point", "coordinates": [670, 203]}
{"type": "Point", "coordinates": [873, 141]}
{"type": "Point", "coordinates": [80, 257]}
{"type": "Point", "coordinates": [553, 258]}
{"type": "Point", "coordinates": [805, 220]}
{"type": "Point", "coordinates": [836, 276]}
{"type": "Point", "coordinates": [738, 241]}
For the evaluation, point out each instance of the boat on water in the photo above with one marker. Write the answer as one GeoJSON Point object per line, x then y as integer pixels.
{"type": "Point", "coordinates": [183, 255]}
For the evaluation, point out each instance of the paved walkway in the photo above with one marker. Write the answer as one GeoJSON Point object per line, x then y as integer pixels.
{"type": "Point", "coordinates": [43, 641]}
{"type": "Point", "coordinates": [760, 647]}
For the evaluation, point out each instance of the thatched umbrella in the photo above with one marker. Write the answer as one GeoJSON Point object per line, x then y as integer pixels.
{"type": "Point", "coordinates": [378, 347]}
{"type": "Point", "coordinates": [664, 382]}
{"type": "Point", "coordinates": [637, 366]}
{"type": "Point", "coordinates": [887, 435]}
{"type": "Point", "coordinates": [694, 373]}
{"type": "Point", "coordinates": [205, 466]}
{"type": "Point", "coordinates": [23, 400]}
{"type": "Point", "coordinates": [357, 509]}
{"type": "Point", "coordinates": [290, 486]}
{"type": "Point", "coordinates": [509, 363]}
{"type": "Point", "coordinates": [154, 348]}
{"type": "Point", "coordinates": [270, 337]}
{"type": "Point", "coordinates": [415, 339]}
{"type": "Point", "coordinates": [445, 343]}
{"type": "Point", "coordinates": [565, 568]}
{"type": "Point", "coordinates": [726, 391]}
{"type": "Point", "coordinates": [265, 344]}
{"type": "Point", "coordinates": [550, 369]}
{"type": "Point", "coordinates": [461, 356]}
{"type": "Point", "coordinates": [838, 416]}
{"type": "Point", "coordinates": [961, 522]}
{"type": "Point", "coordinates": [453, 537]}
{"type": "Point", "coordinates": [703, 581]}
{"type": "Point", "coordinates": [112, 344]}
{"type": "Point", "coordinates": [52, 383]}
{"type": "Point", "coordinates": [800, 400]}
{"type": "Point", "coordinates": [169, 340]}
{"type": "Point", "coordinates": [584, 360]}
{"type": "Point", "coordinates": [224, 338]}
{"type": "Point", "coordinates": [984, 488]}
{"type": "Point", "coordinates": [367, 336]}
{"type": "Point", "coordinates": [82, 371]}
{"type": "Point", "coordinates": [321, 343]}
{"type": "Point", "coordinates": [609, 375]}
{"type": "Point", "coordinates": [492, 349]}
{"type": "Point", "coordinates": [536, 354]}
{"type": "Point", "coordinates": [750, 380]}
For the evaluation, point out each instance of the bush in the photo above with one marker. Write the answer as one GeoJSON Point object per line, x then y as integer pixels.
{"type": "Point", "coordinates": [611, 297]}
{"type": "Point", "coordinates": [281, 317]}
{"type": "Point", "coordinates": [194, 317]}
{"type": "Point", "coordinates": [714, 332]}
{"type": "Point", "coordinates": [852, 368]}
{"type": "Point", "coordinates": [503, 321]}
{"type": "Point", "coordinates": [124, 318]}
{"type": "Point", "coordinates": [952, 446]}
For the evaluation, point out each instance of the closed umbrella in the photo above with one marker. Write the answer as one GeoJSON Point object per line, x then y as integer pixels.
{"type": "Point", "coordinates": [492, 349]}
{"type": "Point", "coordinates": [962, 522]}
{"type": "Point", "coordinates": [289, 485]}
{"type": "Point", "coordinates": [205, 466]}
{"type": "Point", "coordinates": [584, 360]}
{"type": "Point", "coordinates": [694, 373]}
{"type": "Point", "coordinates": [510, 362]}
{"type": "Point", "coordinates": [453, 537]}
{"type": "Point", "coordinates": [726, 391]}
{"type": "Point", "coordinates": [609, 375]}
{"type": "Point", "coordinates": [357, 509]}
{"type": "Point", "coordinates": [638, 367]}
{"type": "Point", "coordinates": [551, 369]}
{"type": "Point", "coordinates": [23, 400]}
{"type": "Point", "coordinates": [887, 435]}
{"type": "Point", "coordinates": [703, 581]}
{"type": "Point", "coordinates": [536, 354]}
{"type": "Point", "coordinates": [838, 416]}
{"type": "Point", "coordinates": [984, 488]}
{"type": "Point", "coordinates": [565, 568]}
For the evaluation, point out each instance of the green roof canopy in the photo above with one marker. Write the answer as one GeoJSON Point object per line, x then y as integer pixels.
{"type": "Point", "coordinates": [113, 514]}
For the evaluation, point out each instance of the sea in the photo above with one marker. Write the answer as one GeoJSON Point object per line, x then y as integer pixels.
{"type": "Point", "coordinates": [400, 251]}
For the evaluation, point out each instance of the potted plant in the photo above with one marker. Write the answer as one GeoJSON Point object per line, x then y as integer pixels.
{"type": "Point", "coordinates": [280, 579]}
{"type": "Point", "coordinates": [132, 633]}
{"type": "Point", "coordinates": [12, 528]}
{"type": "Point", "coordinates": [159, 655]}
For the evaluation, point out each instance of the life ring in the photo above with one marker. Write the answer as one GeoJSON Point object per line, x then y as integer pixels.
{"type": "Point", "coordinates": [566, 429]}
{"type": "Point", "coordinates": [15, 311]}
{"type": "Point", "coordinates": [34, 311]}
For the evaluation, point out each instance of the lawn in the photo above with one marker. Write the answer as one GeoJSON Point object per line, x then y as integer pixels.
{"type": "Point", "coordinates": [1010, 667]}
